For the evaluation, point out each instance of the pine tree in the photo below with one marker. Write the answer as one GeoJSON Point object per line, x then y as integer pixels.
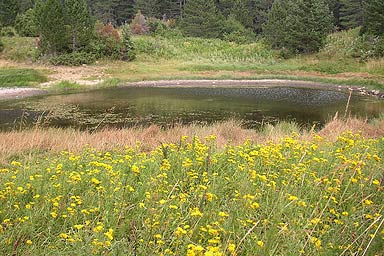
{"type": "Point", "coordinates": [298, 25]}
{"type": "Point", "coordinates": [80, 23]}
{"type": "Point", "coordinates": [51, 24]}
{"type": "Point", "coordinates": [252, 13]}
{"type": "Point", "coordinates": [201, 18]}
{"type": "Point", "coordinates": [8, 12]}
{"type": "Point", "coordinates": [374, 17]}
{"type": "Point", "coordinates": [148, 8]}
{"type": "Point", "coordinates": [123, 11]}
{"type": "Point", "coordinates": [350, 13]}
{"type": "Point", "coordinates": [168, 9]}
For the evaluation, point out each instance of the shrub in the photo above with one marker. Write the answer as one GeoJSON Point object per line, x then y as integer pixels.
{"type": "Point", "coordinates": [156, 26]}
{"type": "Point", "coordinates": [129, 49]}
{"type": "Point", "coordinates": [73, 59]}
{"type": "Point", "coordinates": [107, 42]}
{"type": "Point", "coordinates": [367, 46]}
{"type": "Point", "coordinates": [25, 24]}
{"type": "Point", "coordinates": [139, 24]}
{"type": "Point", "coordinates": [234, 31]}
{"type": "Point", "coordinates": [379, 49]}
{"type": "Point", "coordinates": [8, 31]}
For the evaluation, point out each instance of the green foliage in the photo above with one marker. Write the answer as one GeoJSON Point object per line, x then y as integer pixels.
{"type": "Point", "coordinates": [65, 86]}
{"type": "Point", "coordinates": [73, 59]}
{"type": "Point", "coordinates": [117, 12]}
{"type": "Point", "coordinates": [20, 49]}
{"type": "Point", "coordinates": [129, 49]}
{"type": "Point", "coordinates": [374, 17]}
{"type": "Point", "coordinates": [252, 13]}
{"type": "Point", "coordinates": [80, 23]}
{"type": "Point", "coordinates": [298, 25]}
{"type": "Point", "coordinates": [51, 24]}
{"type": "Point", "coordinates": [1, 46]}
{"type": "Point", "coordinates": [156, 26]}
{"type": "Point", "coordinates": [158, 8]}
{"type": "Point", "coordinates": [8, 31]}
{"type": "Point", "coordinates": [25, 24]}
{"type": "Point", "coordinates": [107, 42]}
{"type": "Point", "coordinates": [234, 31]}
{"type": "Point", "coordinates": [350, 13]}
{"type": "Point", "coordinates": [201, 18]}
{"type": "Point", "coordinates": [341, 44]}
{"type": "Point", "coordinates": [202, 50]}
{"type": "Point", "coordinates": [148, 8]}
{"type": "Point", "coordinates": [368, 46]}
{"type": "Point", "coordinates": [12, 77]}
{"type": "Point", "coordinates": [8, 12]}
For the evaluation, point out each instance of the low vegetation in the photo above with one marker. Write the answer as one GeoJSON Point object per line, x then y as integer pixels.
{"type": "Point", "coordinates": [191, 198]}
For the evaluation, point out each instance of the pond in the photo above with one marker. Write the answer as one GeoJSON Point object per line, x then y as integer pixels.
{"type": "Point", "coordinates": [167, 106]}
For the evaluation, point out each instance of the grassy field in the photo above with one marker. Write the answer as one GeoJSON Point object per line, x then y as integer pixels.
{"type": "Point", "coordinates": [289, 197]}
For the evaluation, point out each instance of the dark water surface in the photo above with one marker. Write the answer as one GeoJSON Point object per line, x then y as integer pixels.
{"type": "Point", "coordinates": [128, 106]}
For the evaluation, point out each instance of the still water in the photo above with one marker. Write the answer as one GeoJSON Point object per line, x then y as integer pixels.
{"type": "Point", "coordinates": [165, 106]}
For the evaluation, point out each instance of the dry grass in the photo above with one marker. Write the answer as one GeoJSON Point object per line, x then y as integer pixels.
{"type": "Point", "coordinates": [34, 141]}
{"type": "Point", "coordinates": [368, 130]}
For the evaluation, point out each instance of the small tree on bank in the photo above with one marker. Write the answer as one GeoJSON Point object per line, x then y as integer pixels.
{"type": "Point", "coordinates": [298, 25]}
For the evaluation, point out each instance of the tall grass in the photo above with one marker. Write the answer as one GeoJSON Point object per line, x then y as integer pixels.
{"type": "Point", "coordinates": [199, 49]}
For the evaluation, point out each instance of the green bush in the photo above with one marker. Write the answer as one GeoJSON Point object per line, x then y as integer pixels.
{"type": "Point", "coordinates": [129, 49]}
{"type": "Point", "coordinates": [234, 31]}
{"type": "Point", "coordinates": [25, 24]}
{"type": "Point", "coordinates": [379, 49]}
{"type": "Point", "coordinates": [106, 42]}
{"type": "Point", "coordinates": [366, 47]}
{"type": "Point", "coordinates": [8, 31]}
{"type": "Point", "coordinates": [1, 46]}
{"type": "Point", "coordinates": [156, 26]}
{"type": "Point", "coordinates": [73, 59]}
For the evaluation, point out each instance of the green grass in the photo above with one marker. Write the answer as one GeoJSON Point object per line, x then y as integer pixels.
{"type": "Point", "coordinates": [285, 198]}
{"type": "Point", "coordinates": [65, 86]}
{"type": "Point", "coordinates": [15, 77]}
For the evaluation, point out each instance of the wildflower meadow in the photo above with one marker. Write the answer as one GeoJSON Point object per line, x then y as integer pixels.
{"type": "Point", "coordinates": [290, 197]}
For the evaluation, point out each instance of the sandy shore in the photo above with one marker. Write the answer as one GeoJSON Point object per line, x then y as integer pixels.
{"type": "Point", "coordinates": [17, 93]}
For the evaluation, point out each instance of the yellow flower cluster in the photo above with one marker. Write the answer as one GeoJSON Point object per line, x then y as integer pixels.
{"type": "Point", "coordinates": [286, 198]}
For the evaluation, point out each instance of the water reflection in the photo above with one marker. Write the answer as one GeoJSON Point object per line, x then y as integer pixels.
{"type": "Point", "coordinates": [124, 107]}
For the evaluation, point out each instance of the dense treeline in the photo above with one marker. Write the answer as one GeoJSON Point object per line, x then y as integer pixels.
{"type": "Point", "coordinates": [88, 26]}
